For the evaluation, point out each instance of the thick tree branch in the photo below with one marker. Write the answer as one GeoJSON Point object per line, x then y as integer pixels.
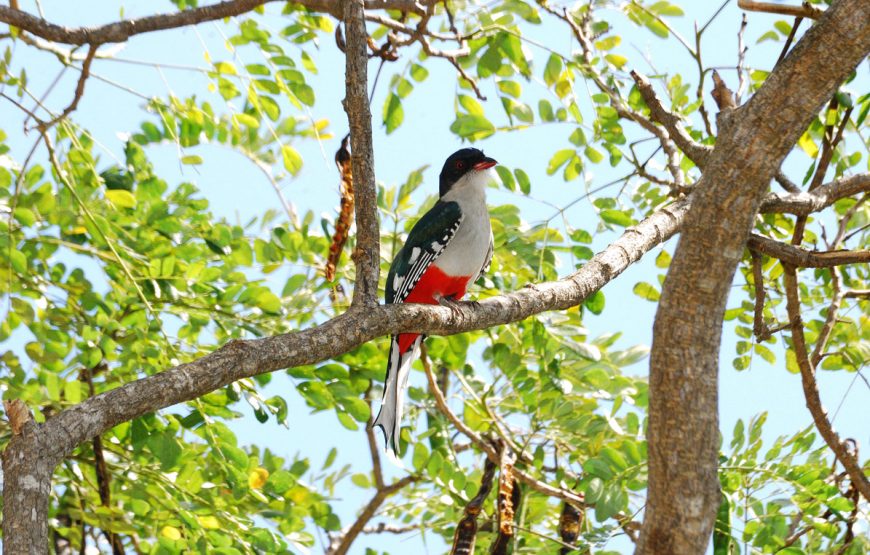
{"type": "Point", "coordinates": [753, 140]}
{"type": "Point", "coordinates": [366, 256]}
{"type": "Point", "coordinates": [801, 258]}
{"type": "Point", "coordinates": [805, 203]}
{"type": "Point", "coordinates": [120, 31]}
{"type": "Point", "coordinates": [804, 10]}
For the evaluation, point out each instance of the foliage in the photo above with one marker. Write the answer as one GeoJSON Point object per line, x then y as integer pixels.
{"type": "Point", "coordinates": [110, 273]}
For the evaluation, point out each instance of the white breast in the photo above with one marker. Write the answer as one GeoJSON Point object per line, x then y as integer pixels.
{"type": "Point", "coordinates": [466, 252]}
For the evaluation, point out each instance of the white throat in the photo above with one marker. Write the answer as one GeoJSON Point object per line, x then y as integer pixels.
{"type": "Point", "coordinates": [471, 187]}
{"type": "Point", "coordinates": [466, 253]}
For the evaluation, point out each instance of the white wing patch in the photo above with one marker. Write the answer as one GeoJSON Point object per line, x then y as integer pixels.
{"type": "Point", "coordinates": [420, 261]}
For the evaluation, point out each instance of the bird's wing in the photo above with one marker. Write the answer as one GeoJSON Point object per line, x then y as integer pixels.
{"type": "Point", "coordinates": [427, 240]}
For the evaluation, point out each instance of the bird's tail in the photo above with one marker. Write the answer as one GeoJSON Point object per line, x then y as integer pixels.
{"type": "Point", "coordinates": [398, 368]}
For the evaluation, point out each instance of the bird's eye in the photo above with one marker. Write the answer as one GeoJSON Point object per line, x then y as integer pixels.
{"type": "Point", "coordinates": [460, 165]}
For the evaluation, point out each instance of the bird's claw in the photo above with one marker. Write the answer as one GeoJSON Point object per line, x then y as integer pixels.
{"type": "Point", "coordinates": [452, 304]}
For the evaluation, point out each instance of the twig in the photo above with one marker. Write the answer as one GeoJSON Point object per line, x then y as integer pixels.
{"type": "Point", "coordinates": [830, 319]}
{"type": "Point", "coordinates": [723, 96]}
{"type": "Point", "coordinates": [366, 255]}
{"type": "Point", "coordinates": [811, 390]}
{"type": "Point", "coordinates": [801, 258]}
{"type": "Point", "coordinates": [485, 446]}
{"type": "Point", "coordinates": [741, 60]}
{"type": "Point", "coordinates": [759, 327]}
{"type": "Point", "coordinates": [830, 145]}
{"type": "Point", "coordinates": [697, 152]}
{"type": "Point", "coordinates": [382, 527]}
{"type": "Point", "coordinates": [786, 183]}
{"type": "Point", "coordinates": [341, 544]}
{"type": "Point", "coordinates": [804, 10]}
{"type": "Point", "coordinates": [788, 40]}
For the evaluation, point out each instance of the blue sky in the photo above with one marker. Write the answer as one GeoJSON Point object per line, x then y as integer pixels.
{"type": "Point", "coordinates": [238, 191]}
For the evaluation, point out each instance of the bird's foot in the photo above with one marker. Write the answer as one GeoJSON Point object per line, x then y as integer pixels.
{"type": "Point", "coordinates": [452, 304]}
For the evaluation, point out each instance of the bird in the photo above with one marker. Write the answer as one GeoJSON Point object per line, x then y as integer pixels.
{"type": "Point", "coordinates": [447, 250]}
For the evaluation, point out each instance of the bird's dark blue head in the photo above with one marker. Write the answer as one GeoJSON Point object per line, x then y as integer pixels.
{"type": "Point", "coordinates": [460, 163]}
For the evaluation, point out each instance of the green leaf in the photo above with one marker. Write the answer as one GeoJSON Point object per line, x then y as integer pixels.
{"type": "Point", "coordinates": [361, 480]}
{"type": "Point", "coordinates": [191, 160]}
{"type": "Point", "coordinates": [593, 155]}
{"type": "Point", "coordinates": [420, 457]}
{"type": "Point", "coordinates": [608, 43]}
{"type": "Point", "coordinates": [506, 178]}
{"type": "Point", "coordinates": [292, 159]}
{"type": "Point", "coordinates": [419, 73]}
{"type": "Point", "coordinates": [25, 216]}
{"type": "Point", "coordinates": [545, 109]}
{"type": "Point", "coordinates": [523, 181]}
{"type": "Point", "coordinates": [559, 159]}
{"type": "Point", "coordinates": [393, 113]}
{"type": "Point", "coordinates": [657, 27]}
{"type": "Point", "coordinates": [471, 105]}
{"type": "Point", "coordinates": [553, 69]}
{"type": "Point", "coordinates": [595, 302]}
{"type": "Point", "coordinates": [472, 127]}
{"type": "Point", "coordinates": [722, 540]}
{"type": "Point", "coordinates": [246, 120]}
{"type": "Point", "coordinates": [268, 301]}
{"type": "Point", "coordinates": [510, 88]}
{"type": "Point", "coordinates": [808, 145]}
{"type": "Point", "coordinates": [616, 60]}
{"type": "Point", "coordinates": [646, 291]}
{"type": "Point", "coordinates": [121, 198]}
{"type": "Point", "coordinates": [617, 217]}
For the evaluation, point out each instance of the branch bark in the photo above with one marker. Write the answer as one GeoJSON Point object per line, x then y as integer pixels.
{"type": "Point", "coordinates": [801, 258]}
{"type": "Point", "coordinates": [120, 31]}
{"type": "Point", "coordinates": [366, 256]}
{"type": "Point", "coordinates": [753, 141]}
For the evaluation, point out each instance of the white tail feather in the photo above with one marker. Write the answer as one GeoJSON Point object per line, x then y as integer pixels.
{"type": "Point", "coordinates": [392, 406]}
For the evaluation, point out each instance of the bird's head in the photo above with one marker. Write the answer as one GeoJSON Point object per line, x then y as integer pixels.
{"type": "Point", "coordinates": [465, 163]}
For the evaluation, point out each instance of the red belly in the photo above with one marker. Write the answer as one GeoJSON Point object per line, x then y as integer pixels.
{"type": "Point", "coordinates": [433, 284]}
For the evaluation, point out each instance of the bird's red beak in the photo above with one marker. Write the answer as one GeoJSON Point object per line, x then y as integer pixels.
{"type": "Point", "coordinates": [485, 164]}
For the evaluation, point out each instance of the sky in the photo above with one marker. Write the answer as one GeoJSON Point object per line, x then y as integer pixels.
{"type": "Point", "coordinates": [238, 191]}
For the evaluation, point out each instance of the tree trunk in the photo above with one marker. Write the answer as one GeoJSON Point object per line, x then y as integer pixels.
{"type": "Point", "coordinates": [753, 140]}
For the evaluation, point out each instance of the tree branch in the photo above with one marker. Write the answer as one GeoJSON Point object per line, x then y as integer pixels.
{"type": "Point", "coordinates": [801, 258]}
{"type": "Point", "coordinates": [805, 203]}
{"type": "Point", "coordinates": [490, 451]}
{"type": "Point", "coordinates": [697, 152]}
{"type": "Point", "coordinates": [753, 140]}
{"type": "Point", "coordinates": [811, 389]}
{"type": "Point", "coordinates": [366, 256]}
{"type": "Point", "coordinates": [346, 539]}
{"type": "Point", "coordinates": [804, 10]}
{"type": "Point", "coordinates": [120, 31]}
